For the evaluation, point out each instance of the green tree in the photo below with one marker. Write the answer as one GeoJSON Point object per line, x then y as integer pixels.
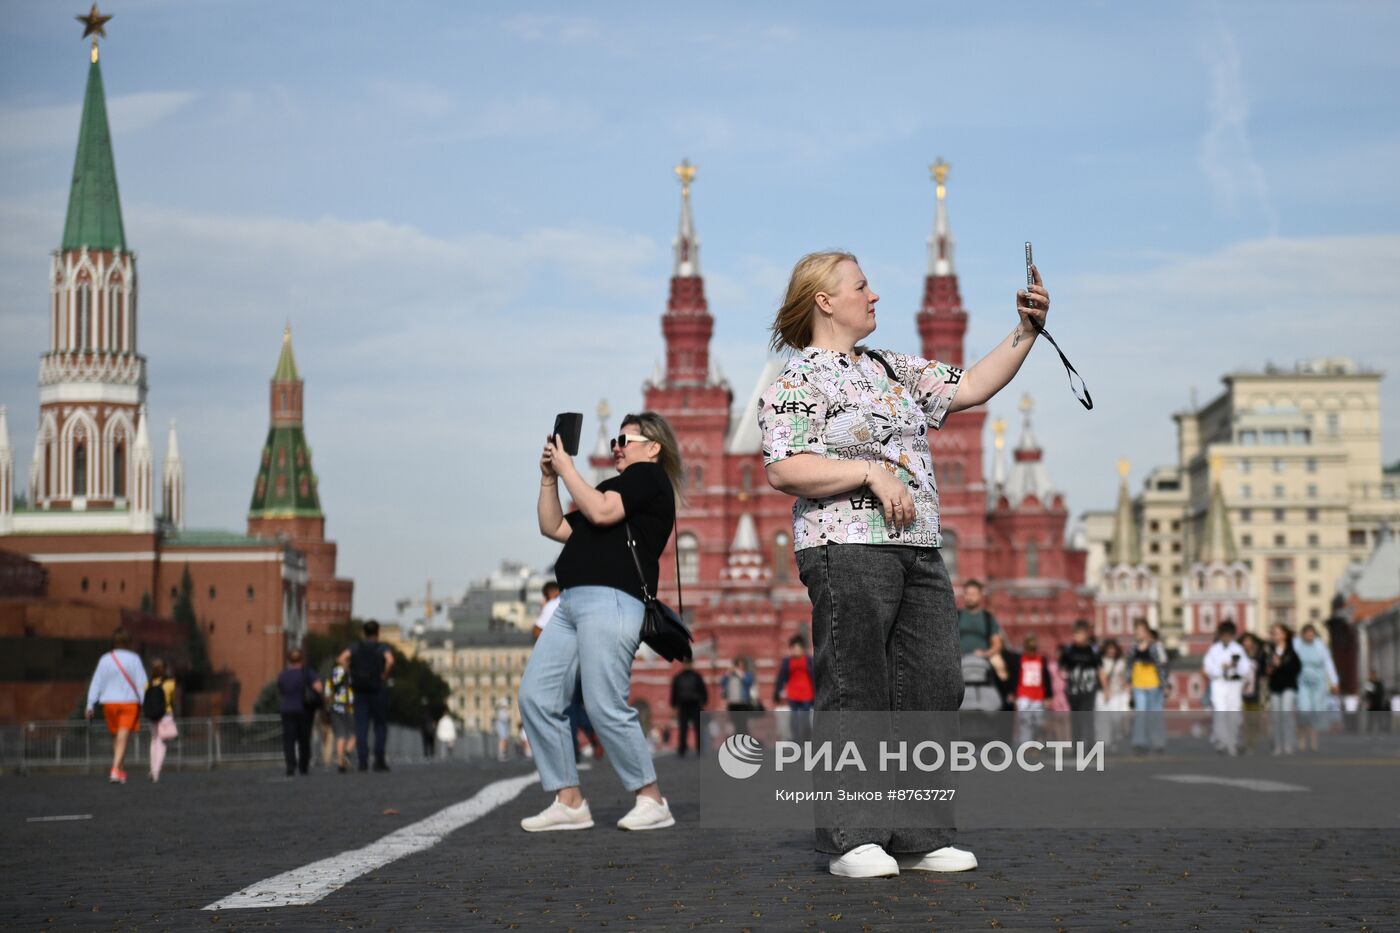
{"type": "Point", "coordinates": [200, 667]}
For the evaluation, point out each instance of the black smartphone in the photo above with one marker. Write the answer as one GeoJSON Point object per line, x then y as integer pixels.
{"type": "Point", "coordinates": [1030, 276]}
{"type": "Point", "coordinates": [568, 425]}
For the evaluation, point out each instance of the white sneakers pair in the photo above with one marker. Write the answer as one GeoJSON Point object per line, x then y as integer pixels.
{"type": "Point", "coordinates": [645, 814]}
{"type": "Point", "coordinates": [871, 861]}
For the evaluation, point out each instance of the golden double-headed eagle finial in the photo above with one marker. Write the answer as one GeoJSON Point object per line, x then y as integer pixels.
{"type": "Point", "coordinates": [939, 171]}
{"type": "Point", "coordinates": [686, 173]}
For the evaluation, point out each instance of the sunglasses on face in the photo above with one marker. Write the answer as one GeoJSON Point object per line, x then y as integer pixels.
{"type": "Point", "coordinates": [621, 440]}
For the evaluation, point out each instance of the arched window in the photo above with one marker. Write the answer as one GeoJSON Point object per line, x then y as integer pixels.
{"type": "Point", "coordinates": [84, 314]}
{"type": "Point", "coordinates": [1032, 560]}
{"type": "Point", "coordinates": [782, 556]}
{"type": "Point", "coordinates": [746, 477]}
{"type": "Point", "coordinates": [949, 553]}
{"type": "Point", "coordinates": [80, 462]}
{"type": "Point", "coordinates": [689, 551]}
{"type": "Point", "coordinates": [119, 470]}
{"type": "Point", "coordinates": [697, 481]}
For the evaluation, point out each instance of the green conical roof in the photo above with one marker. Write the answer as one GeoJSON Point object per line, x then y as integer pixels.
{"type": "Point", "coordinates": [94, 210]}
{"type": "Point", "coordinates": [286, 484]}
{"type": "Point", "coordinates": [1217, 541]}
{"type": "Point", "coordinates": [1124, 547]}
{"type": "Point", "coordinates": [286, 363]}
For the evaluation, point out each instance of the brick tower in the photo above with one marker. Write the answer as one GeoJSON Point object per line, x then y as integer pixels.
{"type": "Point", "coordinates": [286, 505]}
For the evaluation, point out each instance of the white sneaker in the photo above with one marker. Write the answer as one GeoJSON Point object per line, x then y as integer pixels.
{"type": "Point", "coordinates": [556, 816]}
{"type": "Point", "coordinates": [867, 861]}
{"type": "Point", "coordinates": [944, 859]}
{"type": "Point", "coordinates": [647, 814]}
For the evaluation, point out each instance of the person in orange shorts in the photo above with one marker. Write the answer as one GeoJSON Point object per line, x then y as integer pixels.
{"type": "Point", "coordinates": [118, 684]}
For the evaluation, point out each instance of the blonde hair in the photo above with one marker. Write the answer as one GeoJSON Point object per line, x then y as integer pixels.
{"type": "Point", "coordinates": [656, 428]}
{"type": "Point", "coordinates": [815, 272]}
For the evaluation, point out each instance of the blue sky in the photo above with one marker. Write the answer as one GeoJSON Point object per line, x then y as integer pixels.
{"type": "Point", "coordinates": [465, 210]}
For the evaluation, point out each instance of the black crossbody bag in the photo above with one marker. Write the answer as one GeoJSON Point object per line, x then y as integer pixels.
{"type": "Point", "coordinates": [662, 628]}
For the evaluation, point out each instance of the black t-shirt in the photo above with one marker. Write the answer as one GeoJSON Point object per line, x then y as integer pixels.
{"type": "Point", "coordinates": [1080, 665]}
{"type": "Point", "coordinates": [597, 556]}
{"type": "Point", "coordinates": [367, 665]}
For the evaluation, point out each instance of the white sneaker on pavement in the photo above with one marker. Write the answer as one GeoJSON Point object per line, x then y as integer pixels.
{"type": "Point", "coordinates": [556, 816]}
{"type": "Point", "coordinates": [867, 861]}
{"type": "Point", "coordinates": [947, 858]}
{"type": "Point", "coordinates": [647, 814]}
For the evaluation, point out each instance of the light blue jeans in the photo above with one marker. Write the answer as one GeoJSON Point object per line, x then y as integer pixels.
{"type": "Point", "coordinates": [1149, 726]}
{"type": "Point", "coordinates": [594, 633]}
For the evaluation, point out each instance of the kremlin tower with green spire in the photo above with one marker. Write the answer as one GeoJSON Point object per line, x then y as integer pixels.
{"type": "Point", "coordinates": [285, 503]}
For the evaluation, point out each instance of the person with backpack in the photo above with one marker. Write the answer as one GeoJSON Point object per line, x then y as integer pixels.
{"type": "Point", "coordinates": [1147, 673]}
{"type": "Point", "coordinates": [342, 713]}
{"type": "Point", "coordinates": [158, 705]}
{"type": "Point", "coordinates": [300, 691]}
{"type": "Point", "coordinates": [689, 696]}
{"type": "Point", "coordinates": [119, 684]}
{"type": "Point", "coordinates": [1079, 663]}
{"type": "Point", "coordinates": [369, 662]}
{"type": "Point", "coordinates": [976, 624]}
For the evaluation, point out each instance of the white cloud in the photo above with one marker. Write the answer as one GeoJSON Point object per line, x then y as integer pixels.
{"type": "Point", "coordinates": [33, 128]}
{"type": "Point", "coordinates": [1224, 152]}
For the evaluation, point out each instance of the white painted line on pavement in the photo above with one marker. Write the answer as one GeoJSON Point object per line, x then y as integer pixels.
{"type": "Point", "coordinates": [309, 883]}
{"type": "Point", "coordinates": [59, 819]}
{"type": "Point", "coordinates": [1258, 784]}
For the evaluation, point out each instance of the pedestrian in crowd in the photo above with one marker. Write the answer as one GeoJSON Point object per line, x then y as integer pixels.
{"type": "Point", "coordinates": [119, 684]}
{"type": "Point", "coordinates": [1256, 689]}
{"type": "Point", "coordinates": [1317, 680]}
{"type": "Point", "coordinates": [845, 429]}
{"type": "Point", "coordinates": [1080, 663]}
{"type": "Point", "coordinates": [502, 727]}
{"type": "Point", "coordinates": [550, 592]}
{"type": "Point", "coordinates": [689, 696]}
{"type": "Point", "coordinates": [1147, 673]}
{"type": "Point", "coordinates": [158, 704]}
{"type": "Point", "coordinates": [738, 688]}
{"type": "Point", "coordinates": [342, 715]}
{"type": "Point", "coordinates": [427, 731]}
{"type": "Point", "coordinates": [1282, 666]}
{"type": "Point", "coordinates": [976, 624]}
{"type": "Point", "coordinates": [616, 535]}
{"type": "Point", "coordinates": [1005, 664]}
{"type": "Point", "coordinates": [370, 663]}
{"type": "Point", "coordinates": [300, 690]}
{"type": "Point", "coordinates": [447, 734]}
{"type": "Point", "coordinates": [1114, 696]}
{"type": "Point", "coordinates": [1228, 667]}
{"type": "Point", "coordinates": [1033, 690]}
{"type": "Point", "coordinates": [796, 686]}
{"type": "Point", "coordinates": [324, 730]}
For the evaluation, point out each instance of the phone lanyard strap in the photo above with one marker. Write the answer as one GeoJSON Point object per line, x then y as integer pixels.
{"type": "Point", "coordinates": [1080, 390]}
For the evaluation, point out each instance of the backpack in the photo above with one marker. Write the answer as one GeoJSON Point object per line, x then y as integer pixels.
{"type": "Point", "coordinates": [153, 703]}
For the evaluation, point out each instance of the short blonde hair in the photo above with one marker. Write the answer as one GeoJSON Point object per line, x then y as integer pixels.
{"type": "Point", "coordinates": [815, 272]}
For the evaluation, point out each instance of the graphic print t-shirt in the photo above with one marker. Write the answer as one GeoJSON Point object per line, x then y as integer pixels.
{"type": "Point", "coordinates": [845, 407]}
{"type": "Point", "coordinates": [598, 556]}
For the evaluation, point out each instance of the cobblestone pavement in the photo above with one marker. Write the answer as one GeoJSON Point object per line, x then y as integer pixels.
{"type": "Point", "coordinates": [152, 856]}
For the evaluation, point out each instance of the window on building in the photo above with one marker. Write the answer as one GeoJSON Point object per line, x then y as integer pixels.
{"type": "Point", "coordinates": [1032, 560]}
{"type": "Point", "coordinates": [1248, 438]}
{"type": "Point", "coordinates": [1244, 491]}
{"type": "Point", "coordinates": [119, 470]}
{"type": "Point", "coordinates": [1312, 540]}
{"type": "Point", "coordinates": [1155, 525]}
{"type": "Point", "coordinates": [1334, 423]}
{"type": "Point", "coordinates": [782, 556]}
{"type": "Point", "coordinates": [1275, 436]}
{"type": "Point", "coordinates": [1244, 464]}
{"type": "Point", "coordinates": [1280, 541]}
{"type": "Point", "coordinates": [1176, 525]}
{"type": "Point", "coordinates": [1278, 491]}
{"type": "Point", "coordinates": [1302, 436]}
{"type": "Point", "coordinates": [698, 477]}
{"type": "Point", "coordinates": [1314, 563]}
{"type": "Point", "coordinates": [1312, 515]}
{"type": "Point", "coordinates": [1278, 464]}
{"type": "Point", "coordinates": [1154, 548]}
{"type": "Point", "coordinates": [689, 550]}
{"type": "Point", "coordinates": [1314, 614]}
{"type": "Point", "coordinates": [1314, 589]}
{"type": "Point", "coordinates": [1280, 515]}
{"type": "Point", "coordinates": [949, 553]}
{"type": "Point", "coordinates": [1246, 540]}
{"type": "Point", "coordinates": [1310, 464]}
{"type": "Point", "coordinates": [1312, 490]}
{"type": "Point", "coordinates": [250, 592]}
{"type": "Point", "coordinates": [1246, 515]}
{"type": "Point", "coordinates": [80, 464]}
{"type": "Point", "coordinates": [1176, 547]}
{"type": "Point", "coordinates": [1279, 565]}
{"type": "Point", "coordinates": [1357, 538]}
{"type": "Point", "coordinates": [212, 592]}
{"type": "Point", "coordinates": [85, 584]}
{"type": "Point", "coordinates": [746, 477]}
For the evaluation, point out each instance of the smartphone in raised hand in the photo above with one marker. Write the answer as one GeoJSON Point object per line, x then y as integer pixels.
{"type": "Point", "coordinates": [568, 426]}
{"type": "Point", "coordinates": [1030, 274]}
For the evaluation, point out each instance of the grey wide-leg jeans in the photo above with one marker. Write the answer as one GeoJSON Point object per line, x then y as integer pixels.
{"type": "Point", "coordinates": [885, 627]}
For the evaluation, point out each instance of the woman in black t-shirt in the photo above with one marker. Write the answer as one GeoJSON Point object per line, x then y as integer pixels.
{"type": "Point", "coordinates": [594, 633]}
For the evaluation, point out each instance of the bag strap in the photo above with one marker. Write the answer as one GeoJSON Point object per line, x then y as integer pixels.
{"type": "Point", "coordinates": [129, 682]}
{"type": "Point", "coordinates": [637, 562]}
{"type": "Point", "coordinates": [877, 357]}
{"type": "Point", "coordinates": [1080, 390]}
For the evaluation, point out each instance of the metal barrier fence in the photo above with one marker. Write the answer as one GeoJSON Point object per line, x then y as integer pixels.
{"type": "Point", "coordinates": [202, 744]}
